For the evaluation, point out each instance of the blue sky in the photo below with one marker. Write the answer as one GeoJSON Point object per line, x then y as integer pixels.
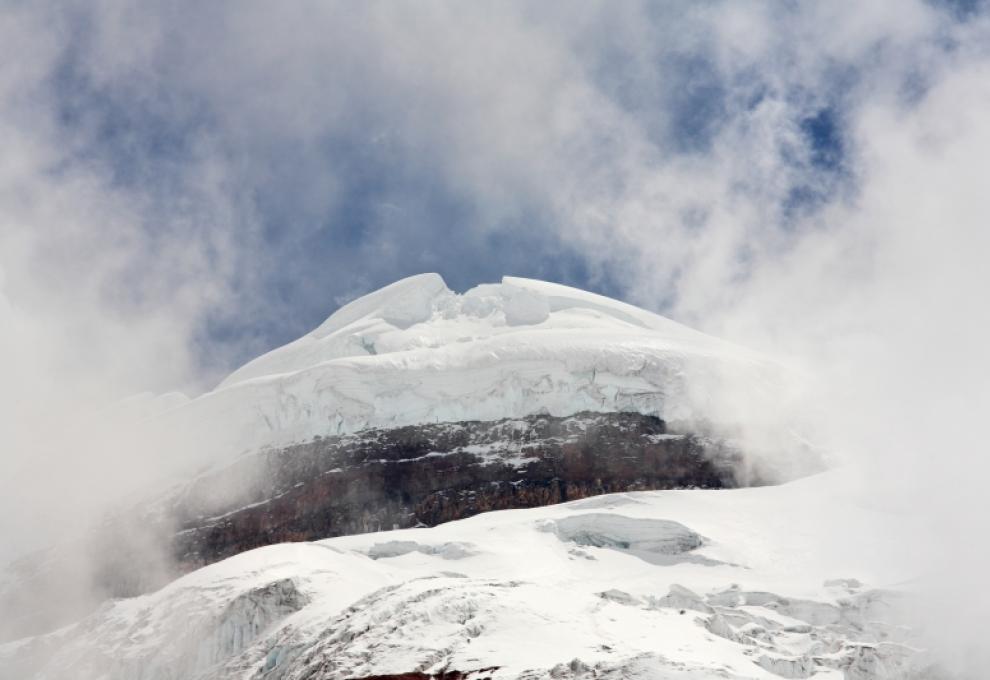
{"type": "Point", "coordinates": [280, 162]}
{"type": "Point", "coordinates": [323, 199]}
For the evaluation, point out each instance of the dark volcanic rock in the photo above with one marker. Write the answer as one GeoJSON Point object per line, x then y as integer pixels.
{"type": "Point", "coordinates": [429, 474]}
{"type": "Point", "coordinates": [481, 674]}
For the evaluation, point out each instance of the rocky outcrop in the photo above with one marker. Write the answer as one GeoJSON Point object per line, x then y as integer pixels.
{"type": "Point", "coordinates": [481, 674]}
{"type": "Point", "coordinates": [427, 475]}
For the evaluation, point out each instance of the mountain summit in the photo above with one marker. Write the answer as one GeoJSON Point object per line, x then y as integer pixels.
{"type": "Point", "coordinates": [415, 352]}
{"type": "Point", "coordinates": [414, 406]}
{"type": "Point", "coordinates": [612, 439]}
{"type": "Point", "coordinates": [447, 330]}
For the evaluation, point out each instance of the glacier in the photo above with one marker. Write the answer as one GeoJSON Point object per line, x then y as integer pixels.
{"type": "Point", "coordinates": [750, 583]}
{"type": "Point", "coordinates": [785, 584]}
{"type": "Point", "coordinates": [415, 352]}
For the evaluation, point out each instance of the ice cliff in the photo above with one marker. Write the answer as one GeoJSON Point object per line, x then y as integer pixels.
{"type": "Point", "coordinates": [415, 352]}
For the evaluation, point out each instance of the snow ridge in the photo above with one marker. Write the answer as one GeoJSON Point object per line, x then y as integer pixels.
{"type": "Point", "coordinates": [415, 352]}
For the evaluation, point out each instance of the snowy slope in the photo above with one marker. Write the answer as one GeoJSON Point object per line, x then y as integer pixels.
{"type": "Point", "coordinates": [415, 352]}
{"type": "Point", "coordinates": [753, 583]}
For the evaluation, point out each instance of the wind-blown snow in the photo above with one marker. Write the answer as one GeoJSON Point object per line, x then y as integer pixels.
{"type": "Point", "coordinates": [415, 352]}
{"type": "Point", "coordinates": [785, 584]}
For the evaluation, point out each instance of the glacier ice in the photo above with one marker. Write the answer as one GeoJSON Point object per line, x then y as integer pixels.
{"type": "Point", "coordinates": [415, 352]}
{"type": "Point", "coordinates": [448, 551]}
{"type": "Point", "coordinates": [608, 530]}
{"type": "Point", "coordinates": [522, 605]}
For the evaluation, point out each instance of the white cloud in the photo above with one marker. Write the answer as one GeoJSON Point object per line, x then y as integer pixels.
{"type": "Point", "coordinates": [575, 113]}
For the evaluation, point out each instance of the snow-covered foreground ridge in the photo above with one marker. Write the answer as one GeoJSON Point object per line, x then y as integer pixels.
{"type": "Point", "coordinates": [415, 352]}
{"type": "Point", "coordinates": [751, 583]}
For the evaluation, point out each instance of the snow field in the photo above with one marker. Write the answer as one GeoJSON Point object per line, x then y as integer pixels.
{"type": "Point", "coordinates": [756, 583]}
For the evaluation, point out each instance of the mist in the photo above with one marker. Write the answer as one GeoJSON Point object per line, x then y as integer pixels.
{"type": "Point", "coordinates": [183, 188]}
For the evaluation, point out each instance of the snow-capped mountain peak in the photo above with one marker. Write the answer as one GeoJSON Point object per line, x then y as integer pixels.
{"type": "Point", "coordinates": [420, 312]}
{"type": "Point", "coordinates": [415, 352]}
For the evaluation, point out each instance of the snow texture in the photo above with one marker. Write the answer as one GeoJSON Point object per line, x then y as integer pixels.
{"type": "Point", "coordinates": [415, 352]}
{"type": "Point", "coordinates": [510, 595]}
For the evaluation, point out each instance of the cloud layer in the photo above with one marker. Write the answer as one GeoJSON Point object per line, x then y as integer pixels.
{"type": "Point", "coordinates": [184, 186]}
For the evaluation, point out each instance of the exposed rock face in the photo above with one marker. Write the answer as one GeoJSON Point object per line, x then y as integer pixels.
{"type": "Point", "coordinates": [373, 480]}
{"type": "Point", "coordinates": [442, 675]}
{"type": "Point", "coordinates": [427, 475]}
